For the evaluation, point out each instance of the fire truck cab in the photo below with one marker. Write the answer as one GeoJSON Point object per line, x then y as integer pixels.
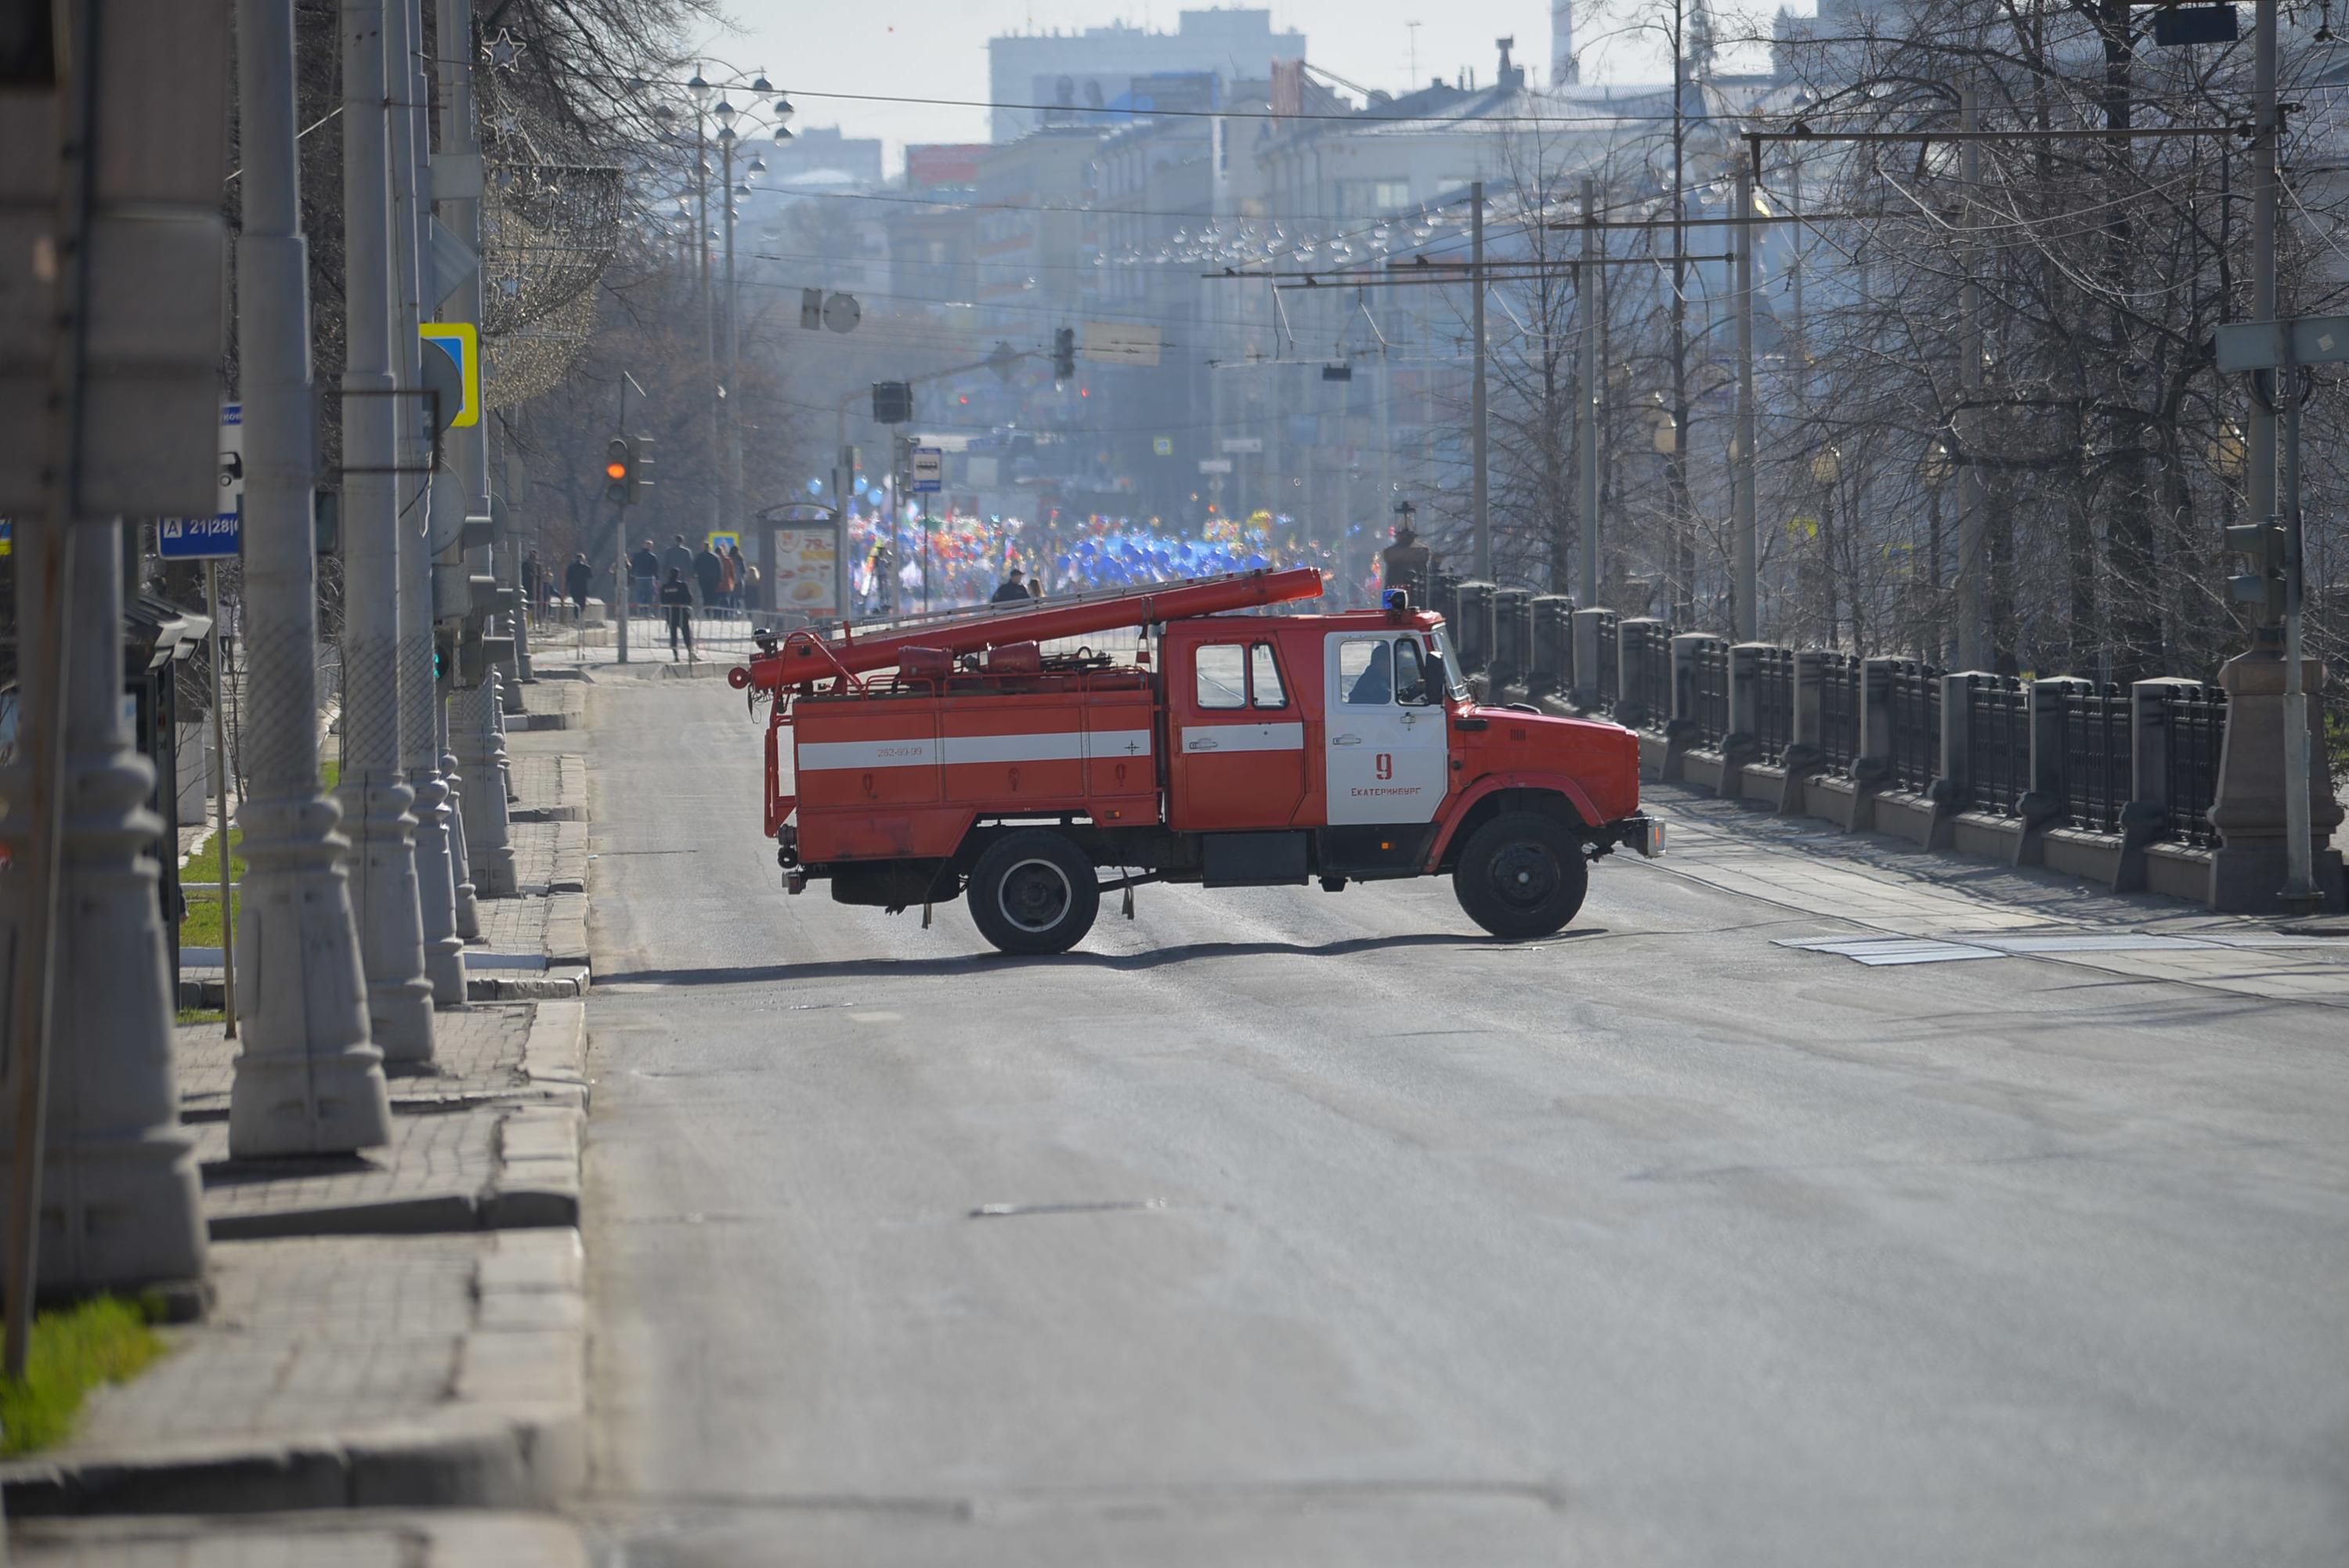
{"type": "Point", "coordinates": [1231, 750]}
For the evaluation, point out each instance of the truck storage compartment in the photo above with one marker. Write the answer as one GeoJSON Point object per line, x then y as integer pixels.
{"type": "Point", "coordinates": [1251, 859]}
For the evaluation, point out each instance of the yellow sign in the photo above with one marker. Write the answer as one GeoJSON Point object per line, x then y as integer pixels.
{"type": "Point", "coordinates": [461, 341]}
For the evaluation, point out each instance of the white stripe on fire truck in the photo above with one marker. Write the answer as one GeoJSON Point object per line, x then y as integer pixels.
{"type": "Point", "coordinates": [915, 751]}
{"type": "Point", "coordinates": [1230, 737]}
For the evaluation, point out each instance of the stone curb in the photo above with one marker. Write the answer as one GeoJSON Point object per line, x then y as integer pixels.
{"type": "Point", "coordinates": [567, 931]}
{"type": "Point", "coordinates": [423, 1538]}
{"type": "Point", "coordinates": [536, 1186]}
{"type": "Point", "coordinates": [515, 1434]}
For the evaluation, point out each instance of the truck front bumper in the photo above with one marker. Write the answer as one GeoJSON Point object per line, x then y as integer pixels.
{"type": "Point", "coordinates": [1642, 832]}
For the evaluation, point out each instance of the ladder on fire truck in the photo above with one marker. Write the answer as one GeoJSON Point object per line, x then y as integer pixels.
{"type": "Point", "coordinates": [850, 650]}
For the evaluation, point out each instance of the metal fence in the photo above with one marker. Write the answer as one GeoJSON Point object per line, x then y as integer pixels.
{"type": "Point", "coordinates": [1607, 678]}
{"type": "Point", "coordinates": [2197, 716]}
{"type": "Point", "coordinates": [1553, 657]}
{"type": "Point", "coordinates": [1646, 677]}
{"type": "Point", "coordinates": [1839, 708]}
{"type": "Point", "coordinates": [1709, 691]}
{"type": "Point", "coordinates": [1773, 702]}
{"type": "Point", "coordinates": [1913, 709]}
{"type": "Point", "coordinates": [2096, 756]}
{"type": "Point", "coordinates": [1998, 743]}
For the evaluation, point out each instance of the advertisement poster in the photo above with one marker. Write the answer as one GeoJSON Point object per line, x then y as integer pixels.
{"type": "Point", "coordinates": [807, 568]}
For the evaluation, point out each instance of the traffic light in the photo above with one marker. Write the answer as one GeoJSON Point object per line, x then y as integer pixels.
{"type": "Point", "coordinates": [640, 477]}
{"type": "Point", "coordinates": [2262, 546]}
{"type": "Point", "coordinates": [1064, 353]}
{"type": "Point", "coordinates": [892, 402]}
{"type": "Point", "coordinates": [619, 470]}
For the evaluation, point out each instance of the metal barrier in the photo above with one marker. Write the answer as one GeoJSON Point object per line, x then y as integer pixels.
{"type": "Point", "coordinates": [1472, 629]}
{"type": "Point", "coordinates": [1605, 684]}
{"type": "Point", "coordinates": [2096, 758]}
{"type": "Point", "coordinates": [1841, 703]}
{"type": "Point", "coordinates": [1645, 678]}
{"type": "Point", "coordinates": [1773, 702]}
{"type": "Point", "coordinates": [1513, 635]}
{"type": "Point", "coordinates": [1708, 703]}
{"type": "Point", "coordinates": [2197, 719]}
{"type": "Point", "coordinates": [1552, 669]}
{"type": "Point", "coordinates": [1998, 743]}
{"type": "Point", "coordinates": [1913, 741]}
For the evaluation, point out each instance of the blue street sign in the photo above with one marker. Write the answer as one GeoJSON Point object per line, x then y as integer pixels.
{"type": "Point", "coordinates": [199, 538]}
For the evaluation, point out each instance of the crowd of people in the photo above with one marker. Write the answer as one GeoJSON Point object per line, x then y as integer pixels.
{"type": "Point", "coordinates": [968, 559]}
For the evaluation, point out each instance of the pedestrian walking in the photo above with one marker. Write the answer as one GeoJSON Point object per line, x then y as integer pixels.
{"type": "Point", "coordinates": [727, 582]}
{"type": "Point", "coordinates": [678, 600]}
{"type": "Point", "coordinates": [1036, 585]}
{"type": "Point", "coordinates": [644, 567]}
{"type": "Point", "coordinates": [745, 576]}
{"type": "Point", "coordinates": [678, 555]}
{"type": "Point", "coordinates": [534, 577]}
{"type": "Point", "coordinates": [708, 569]}
{"type": "Point", "coordinates": [577, 578]}
{"type": "Point", "coordinates": [1014, 588]}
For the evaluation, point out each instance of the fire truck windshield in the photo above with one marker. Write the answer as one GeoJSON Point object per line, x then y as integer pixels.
{"type": "Point", "coordinates": [1456, 684]}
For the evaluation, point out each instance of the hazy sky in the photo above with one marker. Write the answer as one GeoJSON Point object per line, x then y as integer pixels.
{"type": "Point", "coordinates": [937, 48]}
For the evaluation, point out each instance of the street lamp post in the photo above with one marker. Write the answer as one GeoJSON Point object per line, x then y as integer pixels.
{"type": "Point", "coordinates": [376, 798]}
{"type": "Point", "coordinates": [462, 498]}
{"type": "Point", "coordinates": [731, 123]}
{"type": "Point", "coordinates": [308, 1079]}
{"type": "Point", "coordinates": [439, 852]}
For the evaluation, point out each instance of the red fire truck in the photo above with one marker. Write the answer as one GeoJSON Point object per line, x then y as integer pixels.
{"type": "Point", "coordinates": [955, 754]}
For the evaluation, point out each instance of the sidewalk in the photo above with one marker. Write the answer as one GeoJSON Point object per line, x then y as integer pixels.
{"type": "Point", "coordinates": [400, 1329]}
{"type": "Point", "coordinates": [1911, 906]}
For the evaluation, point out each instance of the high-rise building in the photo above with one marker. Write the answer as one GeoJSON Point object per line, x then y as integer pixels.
{"type": "Point", "coordinates": [1095, 68]}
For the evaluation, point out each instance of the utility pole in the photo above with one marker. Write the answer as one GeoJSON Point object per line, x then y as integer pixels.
{"type": "Point", "coordinates": [1974, 652]}
{"type": "Point", "coordinates": [436, 843]}
{"type": "Point", "coordinates": [1480, 435]}
{"type": "Point", "coordinates": [1682, 570]}
{"type": "Point", "coordinates": [375, 796]}
{"type": "Point", "coordinates": [1589, 300]}
{"type": "Point", "coordinates": [2267, 128]}
{"type": "Point", "coordinates": [761, 551]}
{"type": "Point", "coordinates": [1748, 605]}
{"type": "Point", "coordinates": [473, 724]}
{"type": "Point", "coordinates": [307, 1081]}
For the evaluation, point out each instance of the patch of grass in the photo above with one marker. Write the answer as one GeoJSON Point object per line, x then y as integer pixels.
{"type": "Point", "coordinates": [201, 928]}
{"type": "Point", "coordinates": [203, 1015]}
{"type": "Point", "coordinates": [74, 1350]}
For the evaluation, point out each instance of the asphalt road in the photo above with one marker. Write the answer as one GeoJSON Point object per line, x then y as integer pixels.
{"type": "Point", "coordinates": [1277, 1227]}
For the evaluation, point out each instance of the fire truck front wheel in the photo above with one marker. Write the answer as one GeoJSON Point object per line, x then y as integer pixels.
{"type": "Point", "coordinates": [1034, 892]}
{"type": "Point", "coordinates": [1521, 875]}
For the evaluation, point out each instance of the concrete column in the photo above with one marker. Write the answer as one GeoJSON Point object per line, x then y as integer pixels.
{"type": "Point", "coordinates": [1804, 757]}
{"type": "Point", "coordinates": [2247, 869]}
{"type": "Point", "coordinates": [119, 1206]}
{"type": "Point", "coordinates": [308, 1080]}
{"type": "Point", "coordinates": [480, 763]}
{"type": "Point", "coordinates": [466, 908]}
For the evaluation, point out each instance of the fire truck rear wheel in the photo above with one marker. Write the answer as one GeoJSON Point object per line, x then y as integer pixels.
{"type": "Point", "coordinates": [1034, 892]}
{"type": "Point", "coordinates": [1521, 875]}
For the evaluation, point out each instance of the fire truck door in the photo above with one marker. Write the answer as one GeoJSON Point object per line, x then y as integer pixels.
{"type": "Point", "coordinates": [1385, 735]}
{"type": "Point", "coordinates": [1239, 739]}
